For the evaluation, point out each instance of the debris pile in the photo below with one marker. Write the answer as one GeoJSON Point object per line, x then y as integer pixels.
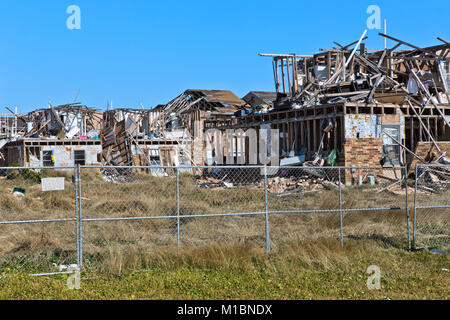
{"type": "Point", "coordinates": [284, 183]}
{"type": "Point", "coordinates": [284, 186]}
{"type": "Point", "coordinates": [67, 121]}
{"type": "Point", "coordinates": [346, 74]}
{"type": "Point", "coordinates": [116, 175]}
{"type": "Point", "coordinates": [116, 144]}
{"type": "Point", "coordinates": [230, 177]}
{"type": "Point", "coordinates": [213, 183]}
{"type": "Point", "coordinates": [434, 179]}
{"type": "Point", "coordinates": [304, 183]}
{"type": "Point", "coordinates": [415, 79]}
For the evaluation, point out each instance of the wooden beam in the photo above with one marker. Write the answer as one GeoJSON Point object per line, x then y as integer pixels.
{"type": "Point", "coordinates": [440, 39]}
{"type": "Point", "coordinates": [420, 120]}
{"type": "Point", "coordinates": [403, 146]}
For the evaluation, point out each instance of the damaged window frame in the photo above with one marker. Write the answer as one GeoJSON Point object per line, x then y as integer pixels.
{"type": "Point", "coordinates": [387, 159]}
{"type": "Point", "coordinates": [47, 160]}
{"type": "Point", "coordinates": [77, 159]}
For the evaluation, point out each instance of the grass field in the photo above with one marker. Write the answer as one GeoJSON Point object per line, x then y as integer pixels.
{"type": "Point", "coordinates": [219, 258]}
{"type": "Point", "coordinates": [312, 271]}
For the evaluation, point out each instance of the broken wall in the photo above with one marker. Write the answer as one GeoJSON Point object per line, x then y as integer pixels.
{"type": "Point", "coordinates": [11, 154]}
{"type": "Point", "coordinates": [427, 151]}
{"type": "Point", "coordinates": [369, 125]}
{"type": "Point", "coordinates": [64, 155]}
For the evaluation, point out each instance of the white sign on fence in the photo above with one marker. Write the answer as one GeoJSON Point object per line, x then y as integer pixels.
{"type": "Point", "coordinates": [52, 184]}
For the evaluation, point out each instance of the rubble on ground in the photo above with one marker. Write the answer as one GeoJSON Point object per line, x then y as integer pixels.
{"type": "Point", "coordinates": [286, 182]}
{"type": "Point", "coordinates": [116, 175]}
{"type": "Point", "coordinates": [434, 179]}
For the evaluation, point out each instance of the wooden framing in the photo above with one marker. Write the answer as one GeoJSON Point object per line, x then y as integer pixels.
{"type": "Point", "coordinates": [306, 124]}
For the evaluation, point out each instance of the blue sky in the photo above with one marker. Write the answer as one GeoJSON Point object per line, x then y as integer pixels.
{"type": "Point", "coordinates": [149, 52]}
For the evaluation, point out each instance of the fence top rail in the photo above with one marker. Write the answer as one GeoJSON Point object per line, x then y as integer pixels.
{"type": "Point", "coordinates": [230, 214]}
{"type": "Point", "coordinates": [36, 221]}
{"type": "Point", "coordinates": [215, 167]}
{"type": "Point", "coordinates": [37, 168]}
{"type": "Point", "coordinates": [241, 167]}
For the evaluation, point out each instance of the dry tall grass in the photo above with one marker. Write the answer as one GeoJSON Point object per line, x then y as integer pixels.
{"type": "Point", "coordinates": [116, 246]}
{"type": "Point", "coordinates": [323, 253]}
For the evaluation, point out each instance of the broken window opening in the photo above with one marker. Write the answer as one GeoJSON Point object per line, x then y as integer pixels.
{"type": "Point", "coordinates": [391, 150]}
{"type": "Point", "coordinates": [47, 159]}
{"type": "Point", "coordinates": [154, 156]}
{"type": "Point", "coordinates": [79, 157]}
{"type": "Point", "coordinates": [36, 152]}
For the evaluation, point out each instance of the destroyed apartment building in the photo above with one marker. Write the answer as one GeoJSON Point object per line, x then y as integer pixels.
{"type": "Point", "coordinates": [347, 106]}
{"type": "Point", "coordinates": [57, 136]}
{"type": "Point", "coordinates": [137, 137]}
{"type": "Point", "coordinates": [74, 134]}
{"type": "Point", "coordinates": [167, 135]}
{"type": "Point", "coordinates": [185, 117]}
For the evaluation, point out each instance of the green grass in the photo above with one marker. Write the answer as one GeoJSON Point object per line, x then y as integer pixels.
{"type": "Point", "coordinates": [245, 272]}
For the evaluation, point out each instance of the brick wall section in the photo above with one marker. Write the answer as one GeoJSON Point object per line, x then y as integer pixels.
{"type": "Point", "coordinates": [365, 152]}
{"type": "Point", "coordinates": [427, 151]}
{"type": "Point", "coordinates": [361, 152]}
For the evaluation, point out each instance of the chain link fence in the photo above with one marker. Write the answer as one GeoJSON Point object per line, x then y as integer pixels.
{"type": "Point", "coordinates": [37, 220]}
{"type": "Point", "coordinates": [375, 205]}
{"type": "Point", "coordinates": [112, 217]}
{"type": "Point", "coordinates": [432, 207]}
{"type": "Point", "coordinates": [339, 203]}
{"type": "Point", "coordinates": [222, 204]}
{"type": "Point", "coordinates": [126, 210]}
{"type": "Point", "coordinates": [135, 209]}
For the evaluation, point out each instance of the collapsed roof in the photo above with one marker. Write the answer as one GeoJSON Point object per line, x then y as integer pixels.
{"type": "Point", "coordinates": [66, 121]}
{"type": "Point", "coordinates": [341, 74]}
{"type": "Point", "coordinates": [223, 101]}
{"type": "Point", "coordinates": [256, 98]}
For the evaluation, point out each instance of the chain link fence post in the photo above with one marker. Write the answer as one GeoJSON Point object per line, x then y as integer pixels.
{"type": "Point", "coordinates": [340, 207]}
{"type": "Point", "coordinates": [178, 207]}
{"type": "Point", "coordinates": [416, 178]}
{"type": "Point", "coordinates": [80, 217]}
{"type": "Point", "coordinates": [407, 206]}
{"type": "Point", "coordinates": [77, 217]}
{"type": "Point", "coordinates": [266, 200]}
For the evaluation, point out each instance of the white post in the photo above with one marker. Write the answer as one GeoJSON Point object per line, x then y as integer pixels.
{"type": "Point", "coordinates": [15, 121]}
